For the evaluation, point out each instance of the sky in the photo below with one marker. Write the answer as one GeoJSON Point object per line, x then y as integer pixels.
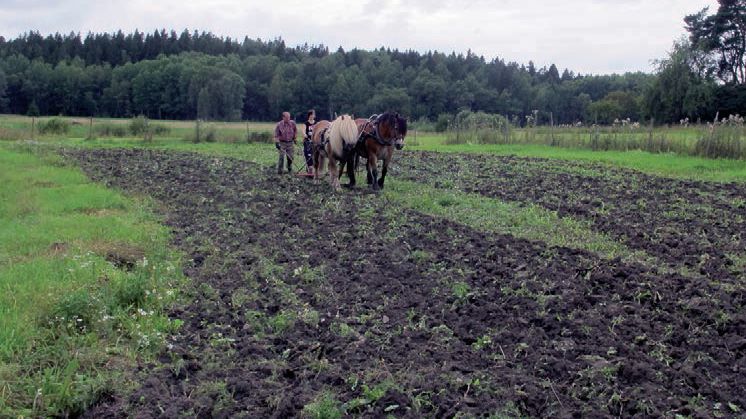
{"type": "Point", "coordinates": [584, 36]}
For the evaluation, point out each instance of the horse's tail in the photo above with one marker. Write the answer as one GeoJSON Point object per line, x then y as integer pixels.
{"type": "Point", "coordinates": [342, 132]}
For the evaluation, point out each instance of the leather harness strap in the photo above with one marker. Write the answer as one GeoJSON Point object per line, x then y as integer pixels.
{"type": "Point", "coordinates": [374, 135]}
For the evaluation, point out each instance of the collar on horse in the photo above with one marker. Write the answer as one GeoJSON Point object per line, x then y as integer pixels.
{"type": "Point", "coordinates": [373, 121]}
{"type": "Point", "coordinates": [323, 139]}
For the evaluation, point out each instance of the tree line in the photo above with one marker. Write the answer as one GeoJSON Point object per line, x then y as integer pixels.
{"type": "Point", "coordinates": [192, 75]}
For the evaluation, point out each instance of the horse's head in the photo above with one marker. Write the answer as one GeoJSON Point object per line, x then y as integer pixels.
{"type": "Point", "coordinates": [401, 131]}
{"type": "Point", "coordinates": [392, 127]}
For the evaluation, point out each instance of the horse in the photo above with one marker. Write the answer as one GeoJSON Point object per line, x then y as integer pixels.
{"type": "Point", "coordinates": [320, 135]}
{"type": "Point", "coordinates": [378, 136]}
{"type": "Point", "coordinates": [340, 147]}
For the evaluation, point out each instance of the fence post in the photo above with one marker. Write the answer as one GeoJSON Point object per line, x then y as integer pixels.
{"type": "Point", "coordinates": [551, 127]}
{"type": "Point", "coordinates": [33, 125]}
{"type": "Point", "coordinates": [650, 135]}
{"type": "Point", "coordinates": [90, 128]}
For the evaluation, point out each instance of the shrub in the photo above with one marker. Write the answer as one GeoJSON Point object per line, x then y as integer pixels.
{"type": "Point", "coordinates": [479, 128]}
{"type": "Point", "coordinates": [209, 134]}
{"type": "Point", "coordinates": [160, 129]}
{"type": "Point", "coordinates": [111, 130]}
{"type": "Point", "coordinates": [54, 126]}
{"type": "Point", "coordinates": [422, 124]}
{"type": "Point", "coordinates": [444, 119]}
{"type": "Point", "coordinates": [724, 140]}
{"type": "Point", "coordinates": [139, 125]}
{"type": "Point", "coordinates": [203, 132]}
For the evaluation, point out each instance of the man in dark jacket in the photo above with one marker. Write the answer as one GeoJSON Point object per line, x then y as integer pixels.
{"type": "Point", "coordinates": [285, 135]}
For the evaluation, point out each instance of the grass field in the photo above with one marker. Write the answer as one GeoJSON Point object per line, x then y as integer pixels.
{"type": "Point", "coordinates": [85, 275]}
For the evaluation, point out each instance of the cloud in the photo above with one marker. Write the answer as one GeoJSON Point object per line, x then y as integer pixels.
{"type": "Point", "coordinates": [586, 36]}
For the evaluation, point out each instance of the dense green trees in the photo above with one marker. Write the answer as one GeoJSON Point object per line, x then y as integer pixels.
{"type": "Point", "coordinates": [3, 87]}
{"type": "Point", "coordinates": [199, 75]}
{"type": "Point", "coordinates": [723, 36]}
{"type": "Point", "coordinates": [680, 91]}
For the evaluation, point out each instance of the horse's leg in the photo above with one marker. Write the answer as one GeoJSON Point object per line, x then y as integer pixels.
{"type": "Point", "coordinates": [385, 168]}
{"type": "Point", "coordinates": [316, 163]}
{"type": "Point", "coordinates": [368, 175]}
{"type": "Point", "coordinates": [351, 169]}
{"type": "Point", "coordinates": [319, 167]}
{"type": "Point", "coordinates": [373, 170]}
{"type": "Point", "coordinates": [333, 177]}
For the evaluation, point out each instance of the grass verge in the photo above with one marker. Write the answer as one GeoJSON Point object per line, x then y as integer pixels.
{"type": "Point", "coordinates": [668, 164]}
{"type": "Point", "coordinates": [493, 215]}
{"type": "Point", "coordinates": [85, 278]}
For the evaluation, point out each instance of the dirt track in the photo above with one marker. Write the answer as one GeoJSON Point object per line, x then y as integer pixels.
{"type": "Point", "coordinates": [299, 293]}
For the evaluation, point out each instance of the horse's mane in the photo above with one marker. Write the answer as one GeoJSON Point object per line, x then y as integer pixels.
{"type": "Point", "coordinates": [402, 125]}
{"type": "Point", "coordinates": [342, 131]}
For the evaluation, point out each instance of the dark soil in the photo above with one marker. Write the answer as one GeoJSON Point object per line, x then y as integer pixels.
{"type": "Point", "coordinates": [684, 223]}
{"type": "Point", "coordinates": [298, 293]}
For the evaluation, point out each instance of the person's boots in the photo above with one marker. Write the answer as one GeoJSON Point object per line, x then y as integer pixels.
{"type": "Point", "coordinates": [279, 165]}
{"type": "Point", "coordinates": [290, 166]}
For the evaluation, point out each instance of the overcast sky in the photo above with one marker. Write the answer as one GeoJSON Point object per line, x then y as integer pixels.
{"type": "Point", "coordinates": [585, 36]}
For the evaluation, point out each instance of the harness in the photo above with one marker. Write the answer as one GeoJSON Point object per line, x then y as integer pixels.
{"type": "Point", "coordinates": [323, 141]}
{"type": "Point", "coordinates": [373, 122]}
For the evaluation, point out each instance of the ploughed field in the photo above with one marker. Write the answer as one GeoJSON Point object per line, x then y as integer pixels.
{"type": "Point", "coordinates": [685, 224]}
{"type": "Point", "coordinates": [308, 302]}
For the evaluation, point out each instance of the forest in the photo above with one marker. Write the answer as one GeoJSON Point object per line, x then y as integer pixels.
{"type": "Point", "coordinates": [188, 75]}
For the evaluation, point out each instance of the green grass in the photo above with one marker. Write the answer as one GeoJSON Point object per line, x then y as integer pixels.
{"type": "Point", "coordinates": [324, 406]}
{"type": "Point", "coordinates": [492, 215]}
{"type": "Point", "coordinates": [79, 128]}
{"type": "Point", "coordinates": [668, 164]}
{"type": "Point", "coordinates": [68, 315]}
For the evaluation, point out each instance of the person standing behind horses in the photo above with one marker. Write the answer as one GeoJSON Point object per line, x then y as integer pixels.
{"type": "Point", "coordinates": [307, 140]}
{"type": "Point", "coordinates": [285, 135]}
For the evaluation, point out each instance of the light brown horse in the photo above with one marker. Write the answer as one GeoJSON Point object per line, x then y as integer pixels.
{"type": "Point", "coordinates": [377, 138]}
{"type": "Point", "coordinates": [340, 148]}
{"type": "Point", "coordinates": [320, 135]}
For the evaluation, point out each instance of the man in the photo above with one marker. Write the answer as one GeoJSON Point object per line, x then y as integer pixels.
{"type": "Point", "coordinates": [285, 135]}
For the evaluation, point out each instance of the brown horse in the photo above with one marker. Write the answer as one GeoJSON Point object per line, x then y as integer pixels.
{"type": "Point", "coordinates": [320, 136]}
{"type": "Point", "coordinates": [377, 138]}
